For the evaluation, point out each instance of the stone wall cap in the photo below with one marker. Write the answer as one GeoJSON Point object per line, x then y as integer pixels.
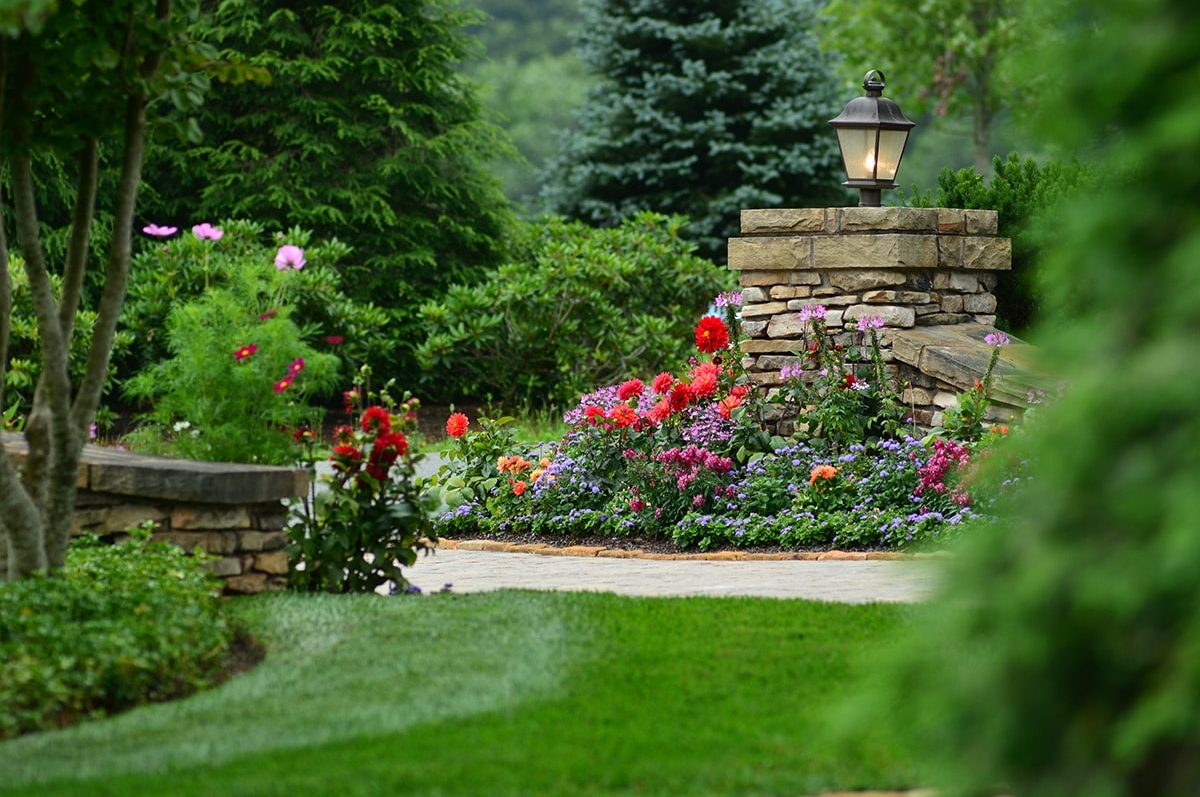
{"type": "Point", "coordinates": [109, 470]}
{"type": "Point", "coordinates": [958, 355]}
{"type": "Point", "coordinates": [866, 221]}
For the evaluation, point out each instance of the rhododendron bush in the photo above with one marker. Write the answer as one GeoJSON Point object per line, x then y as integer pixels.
{"type": "Point", "coordinates": [574, 307]}
{"type": "Point", "coordinates": [684, 455]}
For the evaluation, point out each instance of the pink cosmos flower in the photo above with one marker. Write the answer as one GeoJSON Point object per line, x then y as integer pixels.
{"type": "Point", "coordinates": [289, 256]}
{"type": "Point", "coordinates": [334, 340]}
{"type": "Point", "coordinates": [283, 384]}
{"type": "Point", "coordinates": [296, 366]}
{"type": "Point", "coordinates": [207, 232]}
{"type": "Point", "coordinates": [155, 231]}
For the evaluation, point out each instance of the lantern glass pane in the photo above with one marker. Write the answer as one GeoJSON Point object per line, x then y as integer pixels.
{"type": "Point", "coordinates": [858, 151]}
{"type": "Point", "coordinates": [891, 147]}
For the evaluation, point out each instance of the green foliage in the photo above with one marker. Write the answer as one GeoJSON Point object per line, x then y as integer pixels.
{"type": "Point", "coordinates": [535, 101]}
{"type": "Point", "coordinates": [944, 58]}
{"type": "Point", "coordinates": [1024, 194]}
{"type": "Point", "coordinates": [580, 307]}
{"type": "Point", "coordinates": [1066, 653]}
{"type": "Point", "coordinates": [704, 109]}
{"type": "Point", "coordinates": [214, 398]}
{"type": "Point", "coordinates": [120, 625]}
{"type": "Point", "coordinates": [183, 269]}
{"type": "Point", "coordinates": [372, 515]}
{"type": "Point", "coordinates": [25, 362]}
{"type": "Point", "coordinates": [471, 471]}
{"type": "Point", "coordinates": [367, 132]}
{"type": "Point", "coordinates": [526, 30]}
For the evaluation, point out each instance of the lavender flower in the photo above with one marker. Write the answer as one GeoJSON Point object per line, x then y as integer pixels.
{"type": "Point", "coordinates": [791, 372]}
{"type": "Point", "coordinates": [812, 312]}
{"type": "Point", "coordinates": [728, 299]}
{"type": "Point", "coordinates": [996, 339]}
{"type": "Point", "coordinates": [870, 322]}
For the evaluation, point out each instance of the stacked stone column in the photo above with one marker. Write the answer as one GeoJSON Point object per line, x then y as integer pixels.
{"type": "Point", "coordinates": [912, 267]}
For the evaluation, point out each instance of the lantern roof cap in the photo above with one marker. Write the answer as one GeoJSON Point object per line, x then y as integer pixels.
{"type": "Point", "coordinates": [873, 110]}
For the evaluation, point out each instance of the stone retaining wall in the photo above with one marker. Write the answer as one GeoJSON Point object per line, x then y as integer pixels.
{"type": "Point", "coordinates": [234, 512]}
{"type": "Point", "coordinates": [916, 268]}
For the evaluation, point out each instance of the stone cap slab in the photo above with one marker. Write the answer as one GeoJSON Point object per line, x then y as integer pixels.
{"type": "Point", "coordinates": [957, 354]}
{"type": "Point", "coordinates": [881, 251]}
{"type": "Point", "coordinates": [859, 220]}
{"type": "Point", "coordinates": [108, 470]}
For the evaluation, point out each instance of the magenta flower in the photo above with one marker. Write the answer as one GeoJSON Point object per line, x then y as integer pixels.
{"type": "Point", "coordinates": [334, 340]}
{"type": "Point", "coordinates": [296, 366]}
{"type": "Point", "coordinates": [870, 322]}
{"type": "Point", "coordinates": [791, 372]}
{"type": "Point", "coordinates": [207, 232]}
{"type": "Point", "coordinates": [155, 231]}
{"type": "Point", "coordinates": [728, 299]}
{"type": "Point", "coordinates": [996, 339]}
{"type": "Point", "coordinates": [812, 312]}
{"type": "Point", "coordinates": [289, 256]}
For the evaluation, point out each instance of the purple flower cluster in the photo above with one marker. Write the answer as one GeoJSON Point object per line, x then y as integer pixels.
{"type": "Point", "coordinates": [605, 398]}
{"type": "Point", "coordinates": [791, 372]}
{"type": "Point", "coordinates": [996, 339]}
{"type": "Point", "coordinates": [705, 425]}
{"type": "Point", "coordinates": [728, 299]}
{"type": "Point", "coordinates": [812, 312]}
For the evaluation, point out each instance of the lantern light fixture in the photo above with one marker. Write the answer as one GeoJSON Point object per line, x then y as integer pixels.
{"type": "Point", "coordinates": [872, 132]}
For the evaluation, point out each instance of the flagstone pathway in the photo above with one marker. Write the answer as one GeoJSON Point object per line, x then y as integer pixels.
{"type": "Point", "coordinates": [837, 581]}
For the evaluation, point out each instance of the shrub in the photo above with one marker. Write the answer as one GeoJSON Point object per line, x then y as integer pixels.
{"type": "Point", "coordinates": [372, 515]}
{"type": "Point", "coordinates": [166, 274]}
{"type": "Point", "coordinates": [25, 362]}
{"type": "Point", "coordinates": [579, 307]}
{"type": "Point", "coordinates": [1020, 191]}
{"type": "Point", "coordinates": [237, 385]}
{"type": "Point", "coordinates": [120, 625]}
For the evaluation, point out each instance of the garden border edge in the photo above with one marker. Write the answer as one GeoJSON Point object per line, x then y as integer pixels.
{"type": "Point", "coordinates": [544, 549]}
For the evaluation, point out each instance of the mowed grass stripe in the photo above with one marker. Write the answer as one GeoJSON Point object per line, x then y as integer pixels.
{"type": "Point", "coordinates": [511, 693]}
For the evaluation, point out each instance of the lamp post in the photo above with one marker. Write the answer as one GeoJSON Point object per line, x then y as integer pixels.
{"type": "Point", "coordinates": [871, 132]}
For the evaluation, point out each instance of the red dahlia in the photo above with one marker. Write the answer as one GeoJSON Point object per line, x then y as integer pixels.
{"type": "Point", "coordinates": [376, 419]}
{"type": "Point", "coordinates": [628, 390]}
{"type": "Point", "coordinates": [711, 334]}
{"type": "Point", "coordinates": [456, 425]}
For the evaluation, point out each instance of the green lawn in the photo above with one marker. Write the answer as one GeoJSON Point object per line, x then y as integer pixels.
{"type": "Point", "coordinates": [512, 693]}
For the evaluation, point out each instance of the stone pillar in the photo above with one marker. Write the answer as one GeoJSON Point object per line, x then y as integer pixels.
{"type": "Point", "coordinates": [913, 267]}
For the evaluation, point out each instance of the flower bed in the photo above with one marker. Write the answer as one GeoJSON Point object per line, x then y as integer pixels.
{"type": "Point", "coordinates": [686, 459]}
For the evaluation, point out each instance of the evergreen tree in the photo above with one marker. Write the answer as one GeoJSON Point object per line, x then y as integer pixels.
{"type": "Point", "coordinates": [705, 108]}
{"type": "Point", "coordinates": [368, 132]}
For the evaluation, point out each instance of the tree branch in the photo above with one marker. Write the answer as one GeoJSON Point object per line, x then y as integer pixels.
{"type": "Point", "coordinates": [81, 230]}
{"type": "Point", "coordinates": [117, 275]}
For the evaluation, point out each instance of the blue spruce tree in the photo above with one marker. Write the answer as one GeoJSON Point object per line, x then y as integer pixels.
{"type": "Point", "coordinates": [705, 107]}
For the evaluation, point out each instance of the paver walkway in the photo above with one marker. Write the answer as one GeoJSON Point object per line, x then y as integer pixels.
{"type": "Point", "coordinates": [842, 582]}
